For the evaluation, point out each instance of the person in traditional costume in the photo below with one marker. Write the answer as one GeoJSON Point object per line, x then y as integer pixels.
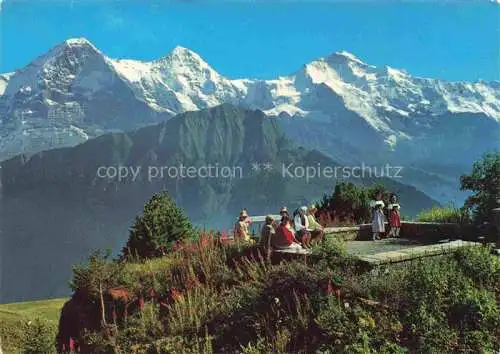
{"type": "Point", "coordinates": [378, 217]}
{"type": "Point", "coordinates": [241, 226]}
{"type": "Point", "coordinates": [394, 217]}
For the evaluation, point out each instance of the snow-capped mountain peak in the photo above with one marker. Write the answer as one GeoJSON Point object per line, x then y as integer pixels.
{"type": "Point", "coordinates": [76, 76]}
{"type": "Point", "coordinates": [57, 67]}
{"type": "Point", "coordinates": [182, 57]}
{"type": "Point", "coordinates": [81, 41]}
{"type": "Point", "coordinates": [69, 49]}
{"type": "Point", "coordinates": [346, 57]}
{"type": "Point", "coordinates": [181, 51]}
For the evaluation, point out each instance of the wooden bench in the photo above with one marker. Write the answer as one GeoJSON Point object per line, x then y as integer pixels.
{"type": "Point", "coordinates": [279, 255]}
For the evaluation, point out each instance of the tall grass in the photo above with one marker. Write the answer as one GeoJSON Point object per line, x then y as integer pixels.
{"type": "Point", "coordinates": [447, 214]}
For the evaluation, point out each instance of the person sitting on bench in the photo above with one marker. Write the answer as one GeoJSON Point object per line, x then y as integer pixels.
{"type": "Point", "coordinates": [284, 238]}
{"type": "Point", "coordinates": [318, 230]}
{"type": "Point", "coordinates": [302, 227]}
{"type": "Point", "coordinates": [283, 212]}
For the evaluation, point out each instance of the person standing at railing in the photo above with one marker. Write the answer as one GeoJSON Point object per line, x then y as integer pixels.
{"type": "Point", "coordinates": [378, 217]}
{"type": "Point", "coordinates": [266, 235]}
{"type": "Point", "coordinates": [394, 217]}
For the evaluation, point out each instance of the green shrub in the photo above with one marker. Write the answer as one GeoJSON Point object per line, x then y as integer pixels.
{"type": "Point", "coordinates": [442, 304]}
{"type": "Point", "coordinates": [177, 344]}
{"type": "Point", "coordinates": [480, 265]}
{"type": "Point", "coordinates": [436, 339]}
{"type": "Point", "coordinates": [479, 341]}
{"type": "Point", "coordinates": [389, 287]}
{"type": "Point", "coordinates": [98, 342]}
{"type": "Point", "coordinates": [474, 310]}
{"type": "Point", "coordinates": [334, 321]}
{"type": "Point", "coordinates": [192, 310]}
{"type": "Point", "coordinates": [350, 327]}
{"type": "Point", "coordinates": [331, 247]}
{"type": "Point", "coordinates": [392, 348]}
{"type": "Point", "coordinates": [39, 337]}
{"type": "Point", "coordinates": [260, 346]}
{"type": "Point", "coordinates": [93, 275]}
{"type": "Point", "coordinates": [142, 328]}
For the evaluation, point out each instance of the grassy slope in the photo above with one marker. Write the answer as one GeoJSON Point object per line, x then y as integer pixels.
{"type": "Point", "coordinates": [14, 314]}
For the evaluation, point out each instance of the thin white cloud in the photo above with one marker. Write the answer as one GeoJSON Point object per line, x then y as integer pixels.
{"type": "Point", "coordinates": [1, 1]}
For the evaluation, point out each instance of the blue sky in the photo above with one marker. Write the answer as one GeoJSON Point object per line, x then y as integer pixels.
{"type": "Point", "coordinates": [264, 39]}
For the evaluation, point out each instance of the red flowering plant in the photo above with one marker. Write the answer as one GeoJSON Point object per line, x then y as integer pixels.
{"type": "Point", "coordinates": [175, 294]}
{"type": "Point", "coordinates": [332, 289]}
{"type": "Point", "coordinates": [206, 239]}
{"type": "Point", "coordinates": [190, 283]}
{"type": "Point", "coordinates": [224, 237]}
{"type": "Point", "coordinates": [333, 286]}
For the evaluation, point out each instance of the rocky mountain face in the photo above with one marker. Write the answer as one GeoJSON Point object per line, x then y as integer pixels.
{"type": "Point", "coordinates": [59, 205]}
{"type": "Point", "coordinates": [65, 97]}
{"type": "Point", "coordinates": [340, 105]}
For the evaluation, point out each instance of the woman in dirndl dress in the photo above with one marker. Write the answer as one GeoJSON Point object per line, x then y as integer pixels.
{"type": "Point", "coordinates": [378, 217]}
{"type": "Point", "coordinates": [394, 217]}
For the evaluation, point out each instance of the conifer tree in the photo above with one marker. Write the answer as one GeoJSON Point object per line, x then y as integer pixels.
{"type": "Point", "coordinates": [161, 223]}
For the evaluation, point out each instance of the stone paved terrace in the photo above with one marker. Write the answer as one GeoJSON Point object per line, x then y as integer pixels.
{"type": "Point", "coordinates": [392, 250]}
